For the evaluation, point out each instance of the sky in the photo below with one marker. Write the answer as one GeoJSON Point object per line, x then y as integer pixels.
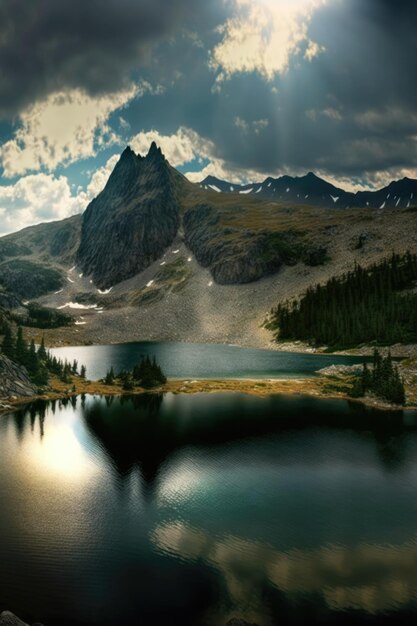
{"type": "Point", "coordinates": [240, 89]}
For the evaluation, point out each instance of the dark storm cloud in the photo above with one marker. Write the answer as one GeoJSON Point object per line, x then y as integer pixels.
{"type": "Point", "coordinates": [93, 44]}
{"type": "Point", "coordinates": [350, 110]}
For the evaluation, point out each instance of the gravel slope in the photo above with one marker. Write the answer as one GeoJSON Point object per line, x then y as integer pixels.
{"type": "Point", "coordinates": [199, 310]}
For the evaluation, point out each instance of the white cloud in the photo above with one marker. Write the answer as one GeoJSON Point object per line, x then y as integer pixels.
{"type": "Point", "coordinates": [264, 35]}
{"type": "Point", "coordinates": [255, 126]}
{"type": "Point", "coordinates": [37, 198]}
{"type": "Point", "coordinates": [330, 112]}
{"type": "Point", "coordinates": [44, 198]}
{"type": "Point", "coordinates": [100, 177]}
{"type": "Point", "coordinates": [63, 128]}
{"type": "Point", "coordinates": [186, 146]}
{"type": "Point", "coordinates": [179, 148]}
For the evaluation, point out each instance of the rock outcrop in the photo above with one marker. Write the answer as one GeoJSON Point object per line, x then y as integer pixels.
{"type": "Point", "coordinates": [132, 221]}
{"type": "Point", "coordinates": [14, 381]}
{"type": "Point", "coordinates": [9, 619]}
{"type": "Point", "coordinates": [237, 256]}
{"type": "Point", "coordinates": [340, 371]}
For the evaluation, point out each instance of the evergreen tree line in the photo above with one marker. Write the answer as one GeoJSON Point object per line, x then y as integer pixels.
{"type": "Point", "coordinates": [383, 380]}
{"type": "Point", "coordinates": [37, 316]}
{"type": "Point", "coordinates": [147, 373]}
{"type": "Point", "coordinates": [364, 305]}
{"type": "Point", "coordinates": [38, 362]}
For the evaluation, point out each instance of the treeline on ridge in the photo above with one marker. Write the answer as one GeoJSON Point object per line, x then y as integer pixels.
{"type": "Point", "coordinates": [365, 305]}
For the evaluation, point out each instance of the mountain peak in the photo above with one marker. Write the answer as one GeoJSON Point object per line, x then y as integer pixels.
{"type": "Point", "coordinates": [128, 156]}
{"type": "Point", "coordinates": [127, 152]}
{"type": "Point", "coordinates": [154, 151]}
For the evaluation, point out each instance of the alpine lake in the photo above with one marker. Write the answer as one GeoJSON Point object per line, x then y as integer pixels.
{"type": "Point", "coordinates": [194, 509]}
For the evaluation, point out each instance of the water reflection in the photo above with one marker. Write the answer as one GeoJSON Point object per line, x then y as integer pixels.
{"type": "Point", "coordinates": [369, 578]}
{"type": "Point", "coordinates": [130, 432]}
{"type": "Point", "coordinates": [277, 510]}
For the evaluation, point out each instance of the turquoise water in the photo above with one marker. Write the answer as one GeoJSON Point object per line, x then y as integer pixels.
{"type": "Point", "coordinates": [192, 510]}
{"type": "Point", "coordinates": [188, 360]}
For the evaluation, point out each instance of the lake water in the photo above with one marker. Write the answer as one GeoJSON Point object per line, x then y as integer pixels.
{"type": "Point", "coordinates": [188, 360]}
{"type": "Point", "coordinates": [192, 510]}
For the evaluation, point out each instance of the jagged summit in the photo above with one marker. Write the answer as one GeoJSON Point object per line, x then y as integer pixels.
{"type": "Point", "coordinates": [155, 152]}
{"type": "Point", "coordinates": [131, 221]}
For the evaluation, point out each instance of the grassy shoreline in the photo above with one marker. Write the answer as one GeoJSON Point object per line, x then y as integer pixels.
{"type": "Point", "coordinates": [320, 387]}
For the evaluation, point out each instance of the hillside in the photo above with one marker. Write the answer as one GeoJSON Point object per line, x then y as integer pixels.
{"type": "Point", "coordinates": [157, 257]}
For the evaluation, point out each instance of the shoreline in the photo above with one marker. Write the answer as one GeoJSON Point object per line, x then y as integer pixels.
{"type": "Point", "coordinates": [55, 338]}
{"type": "Point", "coordinates": [320, 387]}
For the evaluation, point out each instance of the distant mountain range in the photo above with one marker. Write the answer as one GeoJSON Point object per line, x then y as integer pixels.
{"type": "Point", "coordinates": [312, 190]}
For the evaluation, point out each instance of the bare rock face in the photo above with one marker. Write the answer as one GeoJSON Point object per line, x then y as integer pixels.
{"type": "Point", "coordinates": [9, 619]}
{"type": "Point", "coordinates": [14, 381]}
{"type": "Point", "coordinates": [236, 256]}
{"type": "Point", "coordinates": [132, 221]}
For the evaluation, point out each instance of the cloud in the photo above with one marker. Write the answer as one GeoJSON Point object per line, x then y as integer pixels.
{"type": "Point", "coordinates": [181, 147]}
{"type": "Point", "coordinates": [256, 126]}
{"type": "Point", "coordinates": [327, 81]}
{"type": "Point", "coordinates": [186, 147]}
{"type": "Point", "coordinates": [264, 35]}
{"type": "Point", "coordinates": [53, 46]}
{"type": "Point", "coordinates": [63, 128]}
{"type": "Point", "coordinates": [37, 198]}
{"type": "Point", "coordinates": [44, 198]}
{"type": "Point", "coordinates": [99, 179]}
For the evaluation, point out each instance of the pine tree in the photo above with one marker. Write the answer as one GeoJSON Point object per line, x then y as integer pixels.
{"type": "Point", "coordinates": [21, 349]}
{"type": "Point", "coordinates": [8, 346]}
{"type": "Point", "coordinates": [384, 381]}
{"type": "Point", "coordinates": [109, 378]}
{"type": "Point", "coordinates": [32, 359]}
{"type": "Point", "coordinates": [361, 306]}
{"type": "Point", "coordinates": [42, 351]}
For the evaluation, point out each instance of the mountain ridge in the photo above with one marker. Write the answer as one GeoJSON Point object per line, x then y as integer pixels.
{"type": "Point", "coordinates": [148, 211]}
{"type": "Point", "coordinates": [315, 191]}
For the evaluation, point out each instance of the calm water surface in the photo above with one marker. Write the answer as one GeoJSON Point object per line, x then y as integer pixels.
{"type": "Point", "coordinates": [190, 360]}
{"type": "Point", "coordinates": [191, 510]}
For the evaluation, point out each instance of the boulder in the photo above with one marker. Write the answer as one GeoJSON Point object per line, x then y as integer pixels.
{"type": "Point", "coordinates": [14, 381]}
{"type": "Point", "coordinates": [9, 619]}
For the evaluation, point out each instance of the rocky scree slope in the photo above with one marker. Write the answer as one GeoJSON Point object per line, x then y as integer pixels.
{"type": "Point", "coordinates": [14, 380]}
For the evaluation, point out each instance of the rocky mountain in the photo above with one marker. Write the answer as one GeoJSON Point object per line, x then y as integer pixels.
{"type": "Point", "coordinates": [132, 221]}
{"type": "Point", "coordinates": [155, 257]}
{"type": "Point", "coordinates": [314, 191]}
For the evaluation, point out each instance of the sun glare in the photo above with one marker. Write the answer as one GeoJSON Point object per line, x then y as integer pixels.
{"type": "Point", "coordinates": [61, 456]}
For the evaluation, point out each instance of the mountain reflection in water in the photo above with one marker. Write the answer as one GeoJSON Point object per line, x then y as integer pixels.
{"type": "Point", "coordinates": [191, 510]}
